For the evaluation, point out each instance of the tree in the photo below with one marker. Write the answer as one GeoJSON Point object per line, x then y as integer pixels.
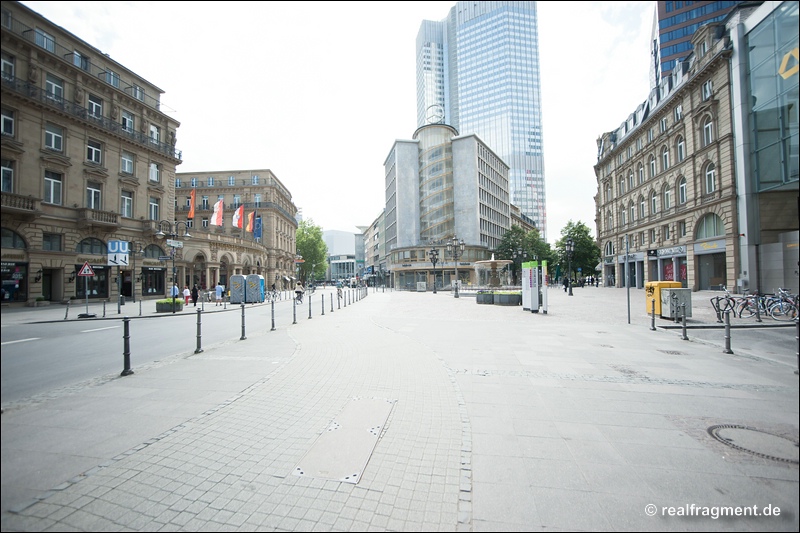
{"type": "Point", "coordinates": [312, 249]}
{"type": "Point", "coordinates": [586, 254]}
{"type": "Point", "coordinates": [531, 242]}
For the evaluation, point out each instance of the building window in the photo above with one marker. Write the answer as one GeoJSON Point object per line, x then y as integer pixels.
{"type": "Point", "coordinates": [237, 201]}
{"type": "Point", "coordinates": [653, 203]}
{"type": "Point", "coordinates": [710, 181]}
{"type": "Point", "coordinates": [52, 187]}
{"type": "Point", "coordinates": [155, 211]}
{"type": "Point", "coordinates": [94, 152]}
{"type": "Point", "coordinates": [80, 61]}
{"type": "Point", "coordinates": [138, 93]}
{"type": "Point", "coordinates": [193, 182]}
{"type": "Point", "coordinates": [178, 183]}
{"type": "Point", "coordinates": [708, 132]}
{"type": "Point", "coordinates": [91, 245]}
{"type": "Point", "coordinates": [9, 66]}
{"type": "Point", "coordinates": [681, 147]}
{"type": "Point", "coordinates": [54, 138]}
{"type": "Point", "coordinates": [126, 204]}
{"type": "Point", "coordinates": [653, 236]}
{"type": "Point", "coordinates": [664, 158]}
{"type": "Point", "coordinates": [667, 197]}
{"type": "Point", "coordinates": [621, 186]}
{"type": "Point", "coordinates": [610, 223]}
{"type": "Point", "coordinates": [256, 200]}
{"type": "Point", "coordinates": [54, 88]}
{"type": "Point", "coordinates": [642, 238]}
{"type": "Point", "coordinates": [126, 163]}
{"type": "Point", "coordinates": [682, 228]}
{"type": "Point", "coordinates": [8, 122]}
{"type": "Point", "coordinates": [665, 231]}
{"type": "Point", "coordinates": [255, 180]}
{"type": "Point", "coordinates": [639, 144]}
{"type": "Point", "coordinates": [707, 90]}
{"type": "Point", "coordinates": [51, 242]}
{"type": "Point", "coordinates": [95, 106]}
{"type": "Point", "coordinates": [652, 167]}
{"type": "Point", "coordinates": [623, 217]}
{"type": "Point", "coordinates": [709, 226]}
{"type": "Point", "coordinates": [45, 40]}
{"type": "Point", "coordinates": [93, 196]}
{"type": "Point", "coordinates": [204, 203]}
{"type": "Point", "coordinates": [641, 207]}
{"type": "Point", "coordinates": [632, 210]}
{"type": "Point", "coordinates": [682, 191]}
{"type": "Point", "coordinates": [231, 181]}
{"type": "Point", "coordinates": [650, 135]}
{"type": "Point", "coordinates": [155, 134]}
{"type": "Point", "coordinates": [662, 125]}
{"type": "Point", "coordinates": [630, 181]}
{"type": "Point", "coordinates": [155, 173]}
{"type": "Point", "coordinates": [211, 181]}
{"type": "Point", "coordinates": [205, 222]}
{"type": "Point", "coordinates": [678, 112]}
{"type": "Point", "coordinates": [128, 121]}
{"type": "Point", "coordinates": [111, 77]}
{"type": "Point", "coordinates": [640, 173]}
{"type": "Point", "coordinates": [7, 167]}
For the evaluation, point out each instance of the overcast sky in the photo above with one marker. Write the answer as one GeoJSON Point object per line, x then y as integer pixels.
{"type": "Point", "coordinates": [318, 92]}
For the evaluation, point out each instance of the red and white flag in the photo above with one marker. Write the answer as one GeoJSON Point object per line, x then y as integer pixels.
{"type": "Point", "coordinates": [238, 215]}
{"type": "Point", "coordinates": [216, 218]}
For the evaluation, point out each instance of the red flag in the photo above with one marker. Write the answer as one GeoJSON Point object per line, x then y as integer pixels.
{"type": "Point", "coordinates": [237, 216]}
{"type": "Point", "coordinates": [250, 221]}
{"type": "Point", "coordinates": [191, 206]}
{"type": "Point", "coordinates": [216, 218]}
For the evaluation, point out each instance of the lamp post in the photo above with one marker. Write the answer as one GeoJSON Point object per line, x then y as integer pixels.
{"type": "Point", "coordinates": [137, 249]}
{"type": "Point", "coordinates": [434, 255]}
{"type": "Point", "coordinates": [522, 255]}
{"type": "Point", "coordinates": [172, 243]}
{"type": "Point", "coordinates": [455, 248]}
{"type": "Point", "coordinates": [570, 249]}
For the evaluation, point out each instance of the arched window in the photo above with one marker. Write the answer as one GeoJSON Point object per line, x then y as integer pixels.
{"type": "Point", "coordinates": [630, 181]}
{"type": "Point", "coordinates": [90, 245]}
{"type": "Point", "coordinates": [12, 239]}
{"type": "Point", "coordinates": [664, 158]}
{"type": "Point", "coordinates": [709, 226]}
{"type": "Point", "coordinates": [632, 211]}
{"type": "Point", "coordinates": [610, 223]}
{"type": "Point", "coordinates": [153, 251]}
{"type": "Point", "coordinates": [621, 186]}
{"type": "Point", "coordinates": [667, 197]}
{"type": "Point", "coordinates": [609, 248]}
{"type": "Point", "coordinates": [641, 206]}
{"type": "Point", "coordinates": [608, 193]}
{"type": "Point", "coordinates": [682, 191]}
{"type": "Point", "coordinates": [640, 172]}
{"type": "Point", "coordinates": [653, 203]}
{"type": "Point", "coordinates": [681, 148]}
{"type": "Point", "coordinates": [623, 217]}
{"type": "Point", "coordinates": [708, 132]}
{"type": "Point", "coordinates": [652, 167]}
{"type": "Point", "coordinates": [710, 181]}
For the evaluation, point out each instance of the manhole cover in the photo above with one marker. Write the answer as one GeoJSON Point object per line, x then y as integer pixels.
{"type": "Point", "coordinates": [757, 442]}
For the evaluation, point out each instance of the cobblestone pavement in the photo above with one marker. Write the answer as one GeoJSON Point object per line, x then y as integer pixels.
{"type": "Point", "coordinates": [581, 419]}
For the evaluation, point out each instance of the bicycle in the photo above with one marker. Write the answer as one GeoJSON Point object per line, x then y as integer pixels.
{"type": "Point", "coordinates": [751, 305]}
{"type": "Point", "coordinates": [298, 299]}
{"type": "Point", "coordinates": [722, 304]}
{"type": "Point", "coordinates": [785, 308]}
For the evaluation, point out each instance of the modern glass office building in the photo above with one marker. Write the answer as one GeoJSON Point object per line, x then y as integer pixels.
{"type": "Point", "coordinates": [478, 71]}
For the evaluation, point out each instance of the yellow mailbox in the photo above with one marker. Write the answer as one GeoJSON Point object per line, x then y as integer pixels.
{"type": "Point", "coordinates": [652, 291]}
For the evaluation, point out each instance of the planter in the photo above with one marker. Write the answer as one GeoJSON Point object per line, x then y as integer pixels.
{"type": "Point", "coordinates": [484, 297]}
{"type": "Point", "coordinates": [508, 299]}
{"type": "Point", "coordinates": [162, 307]}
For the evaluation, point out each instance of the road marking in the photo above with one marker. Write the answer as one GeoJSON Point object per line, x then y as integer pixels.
{"type": "Point", "coordinates": [21, 340]}
{"type": "Point", "coordinates": [99, 329]}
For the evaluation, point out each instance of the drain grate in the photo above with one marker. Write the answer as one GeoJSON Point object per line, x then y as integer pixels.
{"type": "Point", "coordinates": [757, 442]}
{"type": "Point", "coordinates": [672, 352]}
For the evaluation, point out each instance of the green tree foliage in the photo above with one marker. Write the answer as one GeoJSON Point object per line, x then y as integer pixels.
{"type": "Point", "coordinates": [586, 255]}
{"type": "Point", "coordinates": [531, 242]}
{"type": "Point", "coordinates": [313, 251]}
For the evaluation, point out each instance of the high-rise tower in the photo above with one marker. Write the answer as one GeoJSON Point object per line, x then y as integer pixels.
{"type": "Point", "coordinates": [478, 71]}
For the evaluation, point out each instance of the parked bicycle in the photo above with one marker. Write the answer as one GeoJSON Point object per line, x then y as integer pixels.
{"type": "Point", "coordinates": [786, 306]}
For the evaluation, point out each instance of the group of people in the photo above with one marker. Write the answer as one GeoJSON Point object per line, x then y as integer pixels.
{"type": "Point", "coordinates": [194, 293]}
{"type": "Point", "coordinates": [588, 280]}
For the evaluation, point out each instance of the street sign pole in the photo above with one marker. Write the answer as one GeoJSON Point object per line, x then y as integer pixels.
{"type": "Point", "coordinates": [86, 292]}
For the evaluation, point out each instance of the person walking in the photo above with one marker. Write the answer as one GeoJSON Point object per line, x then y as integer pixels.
{"type": "Point", "coordinates": [186, 295]}
{"type": "Point", "coordinates": [195, 295]}
{"type": "Point", "coordinates": [175, 291]}
{"type": "Point", "coordinates": [218, 293]}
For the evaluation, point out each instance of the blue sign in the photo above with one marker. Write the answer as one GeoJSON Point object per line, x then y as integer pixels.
{"type": "Point", "coordinates": [118, 247]}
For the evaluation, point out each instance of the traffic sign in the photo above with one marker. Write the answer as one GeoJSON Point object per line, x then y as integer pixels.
{"type": "Point", "coordinates": [164, 257]}
{"type": "Point", "coordinates": [86, 270]}
{"type": "Point", "coordinates": [174, 244]}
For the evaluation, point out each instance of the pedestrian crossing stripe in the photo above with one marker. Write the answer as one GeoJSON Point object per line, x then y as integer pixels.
{"type": "Point", "coordinates": [86, 270]}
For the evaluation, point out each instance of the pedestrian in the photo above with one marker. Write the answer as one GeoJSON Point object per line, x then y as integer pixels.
{"type": "Point", "coordinates": [218, 290]}
{"type": "Point", "coordinates": [565, 281]}
{"type": "Point", "coordinates": [175, 291]}
{"type": "Point", "coordinates": [186, 295]}
{"type": "Point", "coordinates": [195, 295]}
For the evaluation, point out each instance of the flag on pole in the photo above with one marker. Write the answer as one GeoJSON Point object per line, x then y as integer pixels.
{"type": "Point", "coordinates": [257, 229]}
{"type": "Point", "coordinates": [250, 220]}
{"type": "Point", "coordinates": [192, 200]}
{"type": "Point", "coordinates": [238, 215]}
{"type": "Point", "coordinates": [216, 218]}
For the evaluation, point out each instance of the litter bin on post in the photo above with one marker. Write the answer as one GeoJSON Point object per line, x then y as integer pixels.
{"type": "Point", "coordinates": [652, 289]}
{"type": "Point", "coordinates": [671, 300]}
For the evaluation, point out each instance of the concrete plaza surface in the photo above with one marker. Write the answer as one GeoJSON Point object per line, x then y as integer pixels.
{"type": "Point", "coordinates": [498, 420]}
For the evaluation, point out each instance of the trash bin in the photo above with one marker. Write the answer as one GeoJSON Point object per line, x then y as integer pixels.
{"type": "Point", "coordinates": [671, 300]}
{"type": "Point", "coordinates": [652, 290]}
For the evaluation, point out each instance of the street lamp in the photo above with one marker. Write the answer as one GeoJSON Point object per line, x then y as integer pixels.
{"type": "Point", "coordinates": [521, 254]}
{"type": "Point", "coordinates": [137, 249]}
{"type": "Point", "coordinates": [172, 243]}
{"type": "Point", "coordinates": [570, 249]}
{"type": "Point", "coordinates": [434, 255]}
{"type": "Point", "coordinates": [455, 248]}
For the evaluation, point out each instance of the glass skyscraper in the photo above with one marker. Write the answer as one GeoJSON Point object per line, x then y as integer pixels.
{"type": "Point", "coordinates": [478, 71]}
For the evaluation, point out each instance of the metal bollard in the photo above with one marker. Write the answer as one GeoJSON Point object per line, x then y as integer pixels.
{"type": "Point", "coordinates": [140, 307]}
{"type": "Point", "coordinates": [727, 332]}
{"type": "Point", "coordinates": [67, 313]}
{"type": "Point", "coordinates": [126, 347]}
{"type": "Point", "coordinates": [294, 312]}
{"type": "Point", "coordinates": [199, 333]}
{"type": "Point", "coordinates": [653, 314]}
{"type": "Point", "coordinates": [309, 307]}
{"type": "Point", "coordinates": [273, 315]}
{"type": "Point", "coordinates": [104, 309]}
{"type": "Point", "coordinates": [331, 303]}
{"type": "Point", "coordinates": [797, 343]}
{"type": "Point", "coordinates": [323, 304]}
{"type": "Point", "coordinates": [683, 314]}
{"type": "Point", "coordinates": [243, 337]}
{"type": "Point", "coordinates": [758, 309]}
